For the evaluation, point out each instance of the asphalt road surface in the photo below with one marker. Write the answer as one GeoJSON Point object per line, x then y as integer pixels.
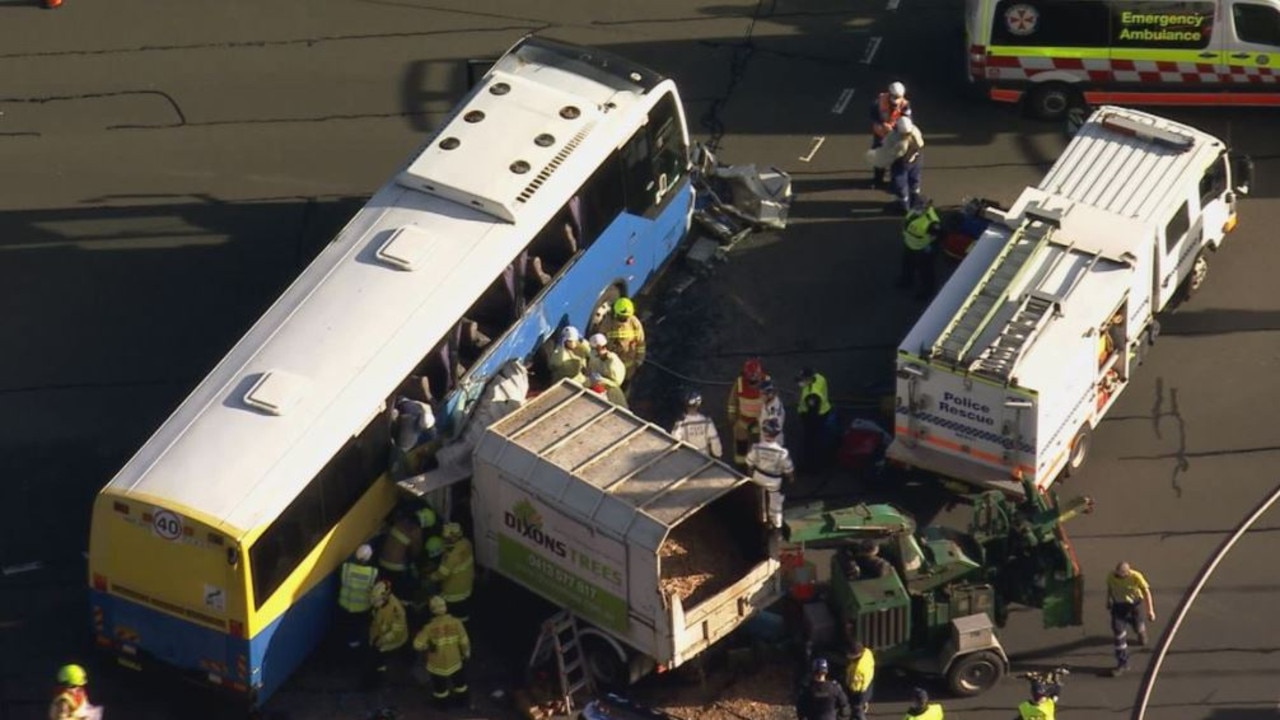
{"type": "Point", "coordinates": [167, 168]}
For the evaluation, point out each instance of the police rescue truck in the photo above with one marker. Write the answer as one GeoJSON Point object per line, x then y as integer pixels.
{"type": "Point", "coordinates": [1042, 325]}
{"type": "Point", "coordinates": [1055, 53]}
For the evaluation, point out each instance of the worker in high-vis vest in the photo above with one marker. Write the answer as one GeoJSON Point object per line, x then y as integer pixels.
{"type": "Point", "coordinates": [356, 579]}
{"type": "Point", "coordinates": [920, 229]}
{"type": "Point", "coordinates": [71, 697]}
{"type": "Point", "coordinates": [859, 676]}
{"type": "Point", "coordinates": [921, 708]}
{"type": "Point", "coordinates": [815, 411]}
{"type": "Point", "coordinates": [447, 648]}
{"type": "Point", "coordinates": [388, 628]}
{"type": "Point", "coordinates": [745, 406]}
{"type": "Point", "coordinates": [401, 547]}
{"type": "Point", "coordinates": [428, 563]}
{"type": "Point", "coordinates": [457, 572]}
{"type": "Point", "coordinates": [1041, 706]}
{"type": "Point", "coordinates": [626, 336]}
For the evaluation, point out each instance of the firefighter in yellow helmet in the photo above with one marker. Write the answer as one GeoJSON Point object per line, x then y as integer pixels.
{"type": "Point", "coordinates": [626, 337]}
{"type": "Point", "coordinates": [447, 648]}
{"type": "Point", "coordinates": [71, 698]}
{"type": "Point", "coordinates": [457, 571]}
{"type": "Point", "coordinates": [388, 630]}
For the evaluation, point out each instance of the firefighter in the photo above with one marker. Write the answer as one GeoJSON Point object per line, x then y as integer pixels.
{"type": "Point", "coordinates": [920, 229]}
{"type": "Point", "coordinates": [626, 337]}
{"type": "Point", "coordinates": [569, 358]}
{"type": "Point", "coordinates": [447, 648]}
{"type": "Point", "coordinates": [457, 571]}
{"type": "Point", "coordinates": [815, 412]}
{"type": "Point", "coordinates": [745, 406]}
{"type": "Point", "coordinates": [822, 698]}
{"type": "Point", "coordinates": [1126, 590]}
{"type": "Point", "coordinates": [921, 708]}
{"type": "Point", "coordinates": [770, 467]}
{"type": "Point", "coordinates": [71, 697]}
{"type": "Point", "coordinates": [388, 630]}
{"type": "Point", "coordinates": [859, 675]}
{"type": "Point", "coordinates": [697, 429]}
{"type": "Point", "coordinates": [606, 362]}
{"type": "Point", "coordinates": [428, 563]}
{"type": "Point", "coordinates": [356, 579]}
{"type": "Point", "coordinates": [886, 109]}
{"type": "Point", "coordinates": [403, 545]}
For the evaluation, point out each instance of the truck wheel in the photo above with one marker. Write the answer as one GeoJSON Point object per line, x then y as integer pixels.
{"type": "Point", "coordinates": [975, 674]}
{"type": "Point", "coordinates": [1051, 101]}
{"type": "Point", "coordinates": [608, 669]}
{"type": "Point", "coordinates": [1079, 451]}
{"type": "Point", "coordinates": [1195, 279]}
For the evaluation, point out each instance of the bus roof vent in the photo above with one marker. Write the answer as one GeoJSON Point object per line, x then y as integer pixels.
{"type": "Point", "coordinates": [406, 249]}
{"type": "Point", "coordinates": [483, 156]}
{"type": "Point", "coordinates": [277, 392]}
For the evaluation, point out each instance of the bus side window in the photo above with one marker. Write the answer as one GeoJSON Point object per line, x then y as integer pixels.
{"type": "Point", "coordinates": [655, 158]}
{"type": "Point", "coordinates": [638, 178]}
{"type": "Point", "coordinates": [602, 198]}
{"type": "Point", "coordinates": [489, 317]}
{"type": "Point", "coordinates": [550, 252]}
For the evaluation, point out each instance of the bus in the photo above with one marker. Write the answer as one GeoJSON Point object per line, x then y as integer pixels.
{"type": "Point", "coordinates": [561, 181]}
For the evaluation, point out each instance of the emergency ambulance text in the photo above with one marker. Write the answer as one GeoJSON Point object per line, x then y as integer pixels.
{"type": "Point", "coordinates": [1162, 27]}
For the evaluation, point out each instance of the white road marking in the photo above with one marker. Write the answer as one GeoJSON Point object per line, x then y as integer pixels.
{"type": "Point", "coordinates": [845, 96]}
{"type": "Point", "coordinates": [813, 150]}
{"type": "Point", "coordinates": [872, 46]}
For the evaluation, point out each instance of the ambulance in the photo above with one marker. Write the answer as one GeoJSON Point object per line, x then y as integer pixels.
{"type": "Point", "coordinates": [1053, 54]}
{"type": "Point", "coordinates": [1044, 323]}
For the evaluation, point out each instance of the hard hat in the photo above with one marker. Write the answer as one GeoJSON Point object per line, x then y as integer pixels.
{"type": "Point", "coordinates": [820, 666]}
{"type": "Point", "coordinates": [570, 334]}
{"type": "Point", "coordinates": [897, 90]}
{"type": "Point", "coordinates": [599, 340]}
{"type": "Point", "coordinates": [771, 427]}
{"type": "Point", "coordinates": [624, 308]}
{"type": "Point", "coordinates": [451, 531]}
{"type": "Point", "coordinates": [73, 676]}
{"type": "Point", "coordinates": [426, 517]}
{"type": "Point", "coordinates": [438, 605]}
{"type": "Point", "coordinates": [752, 369]}
{"type": "Point", "coordinates": [364, 553]}
{"type": "Point", "coordinates": [380, 592]}
{"type": "Point", "coordinates": [693, 399]}
{"type": "Point", "coordinates": [434, 546]}
{"type": "Point", "coordinates": [904, 125]}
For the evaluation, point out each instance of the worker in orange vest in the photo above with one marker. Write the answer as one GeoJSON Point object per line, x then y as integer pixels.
{"type": "Point", "coordinates": [746, 405]}
{"type": "Point", "coordinates": [885, 111]}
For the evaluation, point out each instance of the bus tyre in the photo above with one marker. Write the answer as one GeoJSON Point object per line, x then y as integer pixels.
{"type": "Point", "coordinates": [1078, 453]}
{"type": "Point", "coordinates": [975, 673]}
{"type": "Point", "coordinates": [1051, 101]}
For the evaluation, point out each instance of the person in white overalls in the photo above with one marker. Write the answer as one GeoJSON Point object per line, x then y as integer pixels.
{"type": "Point", "coordinates": [696, 428]}
{"type": "Point", "coordinates": [771, 468]}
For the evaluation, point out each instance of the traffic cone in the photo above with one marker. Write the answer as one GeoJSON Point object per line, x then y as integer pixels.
{"type": "Point", "coordinates": [50, 4]}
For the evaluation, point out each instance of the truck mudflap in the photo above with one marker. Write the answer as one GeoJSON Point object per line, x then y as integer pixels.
{"type": "Point", "coordinates": [697, 628]}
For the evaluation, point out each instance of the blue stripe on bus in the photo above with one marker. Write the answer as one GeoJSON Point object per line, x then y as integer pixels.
{"type": "Point", "coordinates": [278, 650]}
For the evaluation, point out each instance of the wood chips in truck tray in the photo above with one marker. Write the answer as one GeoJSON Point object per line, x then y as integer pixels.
{"type": "Point", "coordinates": [699, 559]}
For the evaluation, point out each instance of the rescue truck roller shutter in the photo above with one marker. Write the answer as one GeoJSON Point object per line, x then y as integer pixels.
{"type": "Point", "coordinates": [1045, 321]}
{"type": "Point", "coordinates": [1053, 54]}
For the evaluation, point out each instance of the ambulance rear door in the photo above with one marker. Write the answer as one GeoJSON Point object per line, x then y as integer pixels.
{"type": "Point", "coordinates": [1253, 47]}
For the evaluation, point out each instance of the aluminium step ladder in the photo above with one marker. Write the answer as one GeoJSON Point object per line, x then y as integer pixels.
{"type": "Point", "coordinates": [560, 636]}
{"type": "Point", "coordinates": [992, 289]}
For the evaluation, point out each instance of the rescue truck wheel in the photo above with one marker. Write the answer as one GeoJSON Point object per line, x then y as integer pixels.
{"type": "Point", "coordinates": [1051, 101]}
{"type": "Point", "coordinates": [1079, 451]}
{"type": "Point", "coordinates": [975, 673]}
{"type": "Point", "coordinates": [1195, 278]}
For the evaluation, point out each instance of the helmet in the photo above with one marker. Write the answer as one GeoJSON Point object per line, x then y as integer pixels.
{"type": "Point", "coordinates": [451, 531]}
{"type": "Point", "coordinates": [380, 592]}
{"type": "Point", "coordinates": [73, 675]}
{"type": "Point", "coordinates": [693, 399]}
{"type": "Point", "coordinates": [438, 605]}
{"type": "Point", "coordinates": [904, 125]}
{"type": "Point", "coordinates": [752, 369]}
{"type": "Point", "coordinates": [364, 553]}
{"type": "Point", "coordinates": [624, 308]}
{"type": "Point", "coordinates": [897, 90]}
{"type": "Point", "coordinates": [434, 546]}
{"type": "Point", "coordinates": [771, 427]}
{"type": "Point", "coordinates": [599, 340]}
{"type": "Point", "coordinates": [820, 666]}
{"type": "Point", "coordinates": [570, 334]}
{"type": "Point", "coordinates": [426, 517]}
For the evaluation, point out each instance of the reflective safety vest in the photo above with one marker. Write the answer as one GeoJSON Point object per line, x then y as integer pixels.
{"type": "Point", "coordinates": [1132, 589]}
{"type": "Point", "coordinates": [626, 338]}
{"type": "Point", "coordinates": [915, 228]}
{"type": "Point", "coordinates": [817, 385]}
{"type": "Point", "coordinates": [69, 703]}
{"type": "Point", "coordinates": [746, 401]}
{"type": "Point", "coordinates": [1042, 710]}
{"type": "Point", "coordinates": [457, 572]}
{"type": "Point", "coordinates": [932, 711]}
{"type": "Point", "coordinates": [389, 631]}
{"type": "Point", "coordinates": [358, 580]}
{"type": "Point", "coordinates": [885, 112]}
{"type": "Point", "coordinates": [860, 673]}
{"type": "Point", "coordinates": [698, 430]}
{"type": "Point", "coordinates": [446, 644]}
{"type": "Point", "coordinates": [403, 542]}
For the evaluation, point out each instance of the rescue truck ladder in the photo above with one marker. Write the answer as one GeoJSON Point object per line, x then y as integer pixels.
{"type": "Point", "coordinates": [992, 289]}
{"type": "Point", "coordinates": [560, 635]}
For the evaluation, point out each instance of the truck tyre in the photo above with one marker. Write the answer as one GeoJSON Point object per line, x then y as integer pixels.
{"type": "Point", "coordinates": [1051, 101]}
{"type": "Point", "coordinates": [608, 669]}
{"type": "Point", "coordinates": [974, 674]}
{"type": "Point", "coordinates": [1195, 279]}
{"type": "Point", "coordinates": [1078, 452]}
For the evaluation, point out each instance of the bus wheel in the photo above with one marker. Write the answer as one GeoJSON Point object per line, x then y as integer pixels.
{"type": "Point", "coordinates": [1051, 101]}
{"type": "Point", "coordinates": [1079, 452]}
{"type": "Point", "coordinates": [603, 306]}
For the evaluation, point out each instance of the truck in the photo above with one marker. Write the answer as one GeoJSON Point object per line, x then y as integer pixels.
{"type": "Point", "coordinates": [935, 607]}
{"type": "Point", "coordinates": [657, 548]}
{"type": "Point", "coordinates": [1043, 324]}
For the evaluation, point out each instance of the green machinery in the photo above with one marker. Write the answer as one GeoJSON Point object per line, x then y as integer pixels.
{"type": "Point", "coordinates": [930, 601]}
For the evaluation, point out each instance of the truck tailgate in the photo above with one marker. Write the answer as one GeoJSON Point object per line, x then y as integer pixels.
{"type": "Point", "coordinates": [720, 614]}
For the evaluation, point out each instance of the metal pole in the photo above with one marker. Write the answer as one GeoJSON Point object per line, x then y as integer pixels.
{"type": "Point", "coordinates": [1153, 670]}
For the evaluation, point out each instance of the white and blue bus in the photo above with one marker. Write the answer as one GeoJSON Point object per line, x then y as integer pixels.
{"type": "Point", "coordinates": [560, 182]}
